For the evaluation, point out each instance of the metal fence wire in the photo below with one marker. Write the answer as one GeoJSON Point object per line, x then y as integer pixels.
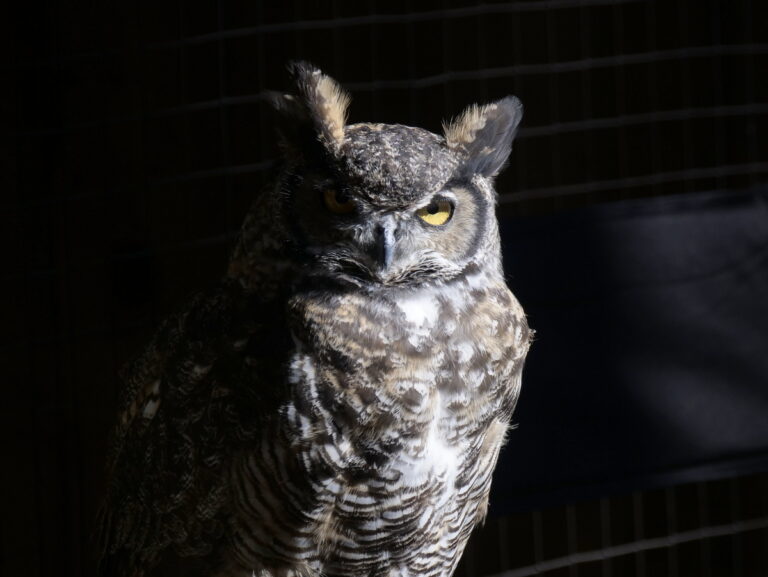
{"type": "Point", "coordinates": [137, 140]}
{"type": "Point", "coordinates": [699, 529]}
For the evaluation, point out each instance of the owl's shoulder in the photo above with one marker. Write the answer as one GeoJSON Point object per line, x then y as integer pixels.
{"type": "Point", "coordinates": [196, 348]}
{"type": "Point", "coordinates": [200, 390]}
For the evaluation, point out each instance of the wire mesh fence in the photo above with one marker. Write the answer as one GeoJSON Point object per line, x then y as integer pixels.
{"type": "Point", "coordinates": [709, 528]}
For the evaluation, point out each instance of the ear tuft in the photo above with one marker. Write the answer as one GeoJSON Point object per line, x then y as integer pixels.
{"type": "Point", "coordinates": [325, 101]}
{"type": "Point", "coordinates": [484, 134]}
{"type": "Point", "coordinates": [462, 129]}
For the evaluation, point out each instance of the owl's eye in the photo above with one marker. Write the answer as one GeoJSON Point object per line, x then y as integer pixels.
{"type": "Point", "coordinates": [436, 213]}
{"type": "Point", "coordinates": [336, 202]}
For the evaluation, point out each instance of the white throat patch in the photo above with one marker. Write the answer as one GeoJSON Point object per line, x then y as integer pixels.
{"type": "Point", "coordinates": [420, 309]}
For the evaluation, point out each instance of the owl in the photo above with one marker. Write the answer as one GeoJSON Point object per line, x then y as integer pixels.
{"type": "Point", "coordinates": [336, 404]}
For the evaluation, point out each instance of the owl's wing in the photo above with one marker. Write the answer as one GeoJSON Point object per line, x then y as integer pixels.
{"type": "Point", "coordinates": [200, 391]}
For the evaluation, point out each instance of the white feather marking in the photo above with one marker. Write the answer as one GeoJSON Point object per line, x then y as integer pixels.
{"type": "Point", "coordinates": [466, 352]}
{"type": "Point", "coordinates": [302, 370]}
{"type": "Point", "coordinates": [359, 499]}
{"type": "Point", "coordinates": [477, 281]}
{"type": "Point", "coordinates": [200, 370]}
{"type": "Point", "coordinates": [151, 406]}
{"type": "Point", "coordinates": [436, 459]}
{"type": "Point", "coordinates": [420, 309]}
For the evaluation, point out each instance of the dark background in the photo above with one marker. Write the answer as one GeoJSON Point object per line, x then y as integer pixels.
{"type": "Point", "coordinates": [134, 140]}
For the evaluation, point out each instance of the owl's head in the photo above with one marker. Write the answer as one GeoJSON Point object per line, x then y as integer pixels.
{"type": "Point", "coordinates": [379, 205]}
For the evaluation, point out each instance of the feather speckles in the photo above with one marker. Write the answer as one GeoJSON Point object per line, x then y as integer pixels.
{"type": "Point", "coordinates": [396, 164]}
{"type": "Point", "coordinates": [336, 404]}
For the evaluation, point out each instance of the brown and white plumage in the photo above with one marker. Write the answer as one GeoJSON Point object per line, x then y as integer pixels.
{"type": "Point", "coordinates": [337, 403]}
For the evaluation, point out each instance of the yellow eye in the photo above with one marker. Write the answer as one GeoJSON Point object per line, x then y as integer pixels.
{"type": "Point", "coordinates": [337, 203]}
{"type": "Point", "coordinates": [436, 213]}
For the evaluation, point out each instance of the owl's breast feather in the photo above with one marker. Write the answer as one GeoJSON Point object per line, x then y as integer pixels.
{"type": "Point", "coordinates": [415, 374]}
{"type": "Point", "coordinates": [396, 411]}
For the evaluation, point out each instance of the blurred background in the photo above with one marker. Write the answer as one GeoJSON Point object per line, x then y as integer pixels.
{"type": "Point", "coordinates": [635, 223]}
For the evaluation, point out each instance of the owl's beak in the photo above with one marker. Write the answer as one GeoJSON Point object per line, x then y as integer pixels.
{"type": "Point", "coordinates": [384, 248]}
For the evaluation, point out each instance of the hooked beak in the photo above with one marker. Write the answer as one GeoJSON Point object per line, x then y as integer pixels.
{"type": "Point", "coordinates": [384, 244]}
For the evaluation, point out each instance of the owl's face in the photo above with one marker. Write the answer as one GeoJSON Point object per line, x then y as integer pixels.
{"type": "Point", "coordinates": [389, 205]}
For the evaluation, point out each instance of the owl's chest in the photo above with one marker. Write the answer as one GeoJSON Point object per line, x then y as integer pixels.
{"type": "Point", "coordinates": [410, 374]}
{"type": "Point", "coordinates": [388, 436]}
{"type": "Point", "coordinates": [352, 331]}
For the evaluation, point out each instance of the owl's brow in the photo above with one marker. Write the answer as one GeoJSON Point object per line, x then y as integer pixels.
{"type": "Point", "coordinates": [443, 194]}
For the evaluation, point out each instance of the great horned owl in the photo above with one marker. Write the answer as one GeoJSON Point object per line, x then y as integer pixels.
{"type": "Point", "coordinates": [336, 404]}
